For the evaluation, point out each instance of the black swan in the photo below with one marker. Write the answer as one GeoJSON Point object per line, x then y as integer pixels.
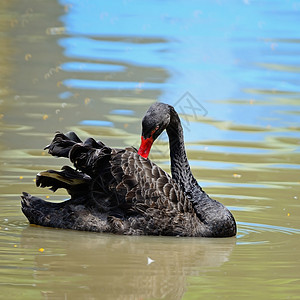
{"type": "Point", "coordinates": [122, 191]}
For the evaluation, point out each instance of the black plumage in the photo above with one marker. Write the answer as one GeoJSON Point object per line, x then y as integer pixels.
{"type": "Point", "coordinates": [119, 191]}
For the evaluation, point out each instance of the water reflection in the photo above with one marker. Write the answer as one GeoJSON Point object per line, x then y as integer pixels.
{"type": "Point", "coordinates": [123, 261]}
{"type": "Point", "coordinates": [95, 68]}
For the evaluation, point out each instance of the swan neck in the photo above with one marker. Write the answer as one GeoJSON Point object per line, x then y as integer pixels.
{"type": "Point", "coordinates": [180, 167]}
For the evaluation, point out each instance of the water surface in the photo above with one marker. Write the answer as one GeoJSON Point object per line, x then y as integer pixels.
{"type": "Point", "coordinates": [230, 70]}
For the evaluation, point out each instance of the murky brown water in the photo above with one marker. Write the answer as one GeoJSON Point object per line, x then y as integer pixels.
{"type": "Point", "coordinates": [96, 70]}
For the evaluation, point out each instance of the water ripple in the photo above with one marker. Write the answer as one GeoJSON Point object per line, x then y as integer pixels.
{"type": "Point", "coordinates": [246, 228]}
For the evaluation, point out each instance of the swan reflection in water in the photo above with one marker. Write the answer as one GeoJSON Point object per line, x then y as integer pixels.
{"type": "Point", "coordinates": [122, 191]}
{"type": "Point", "coordinates": [87, 265]}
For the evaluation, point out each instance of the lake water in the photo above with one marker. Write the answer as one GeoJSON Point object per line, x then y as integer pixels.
{"type": "Point", "coordinates": [231, 69]}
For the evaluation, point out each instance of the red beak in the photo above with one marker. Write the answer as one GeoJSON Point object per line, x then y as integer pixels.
{"type": "Point", "coordinates": [145, 147]}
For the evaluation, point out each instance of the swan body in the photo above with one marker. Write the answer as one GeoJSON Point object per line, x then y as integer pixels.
{"type": "Point", "coordinates": [122, 191]}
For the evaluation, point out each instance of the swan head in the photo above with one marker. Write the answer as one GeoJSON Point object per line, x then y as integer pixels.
{"type": "Point", "coordinates": [155, 121]}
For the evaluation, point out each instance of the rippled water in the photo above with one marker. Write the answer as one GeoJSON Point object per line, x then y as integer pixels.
{"type": "Point", "coordinates": [230, 70]}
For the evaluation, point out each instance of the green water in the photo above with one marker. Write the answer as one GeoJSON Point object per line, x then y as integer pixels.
{"type": "Point", "coordinates": [95, 69]}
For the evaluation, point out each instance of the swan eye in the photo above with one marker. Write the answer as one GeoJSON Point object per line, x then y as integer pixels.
{"type": "Point", "coordinates": [154, 130]}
